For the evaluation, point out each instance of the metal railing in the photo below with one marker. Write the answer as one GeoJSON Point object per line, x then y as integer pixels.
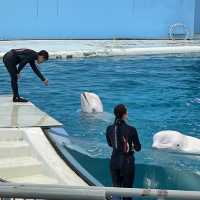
{"type": "Point", "coordinates": [185, 31]}
{"type": "Point", "coordinates": [61, 192]}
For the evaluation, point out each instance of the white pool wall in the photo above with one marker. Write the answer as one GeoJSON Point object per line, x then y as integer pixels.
{"type": "Point", "coordinates": [91, 48]}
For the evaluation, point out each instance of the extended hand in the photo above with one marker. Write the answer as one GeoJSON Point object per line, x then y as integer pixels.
{"type": "Point", "coordinates": [46, 82]}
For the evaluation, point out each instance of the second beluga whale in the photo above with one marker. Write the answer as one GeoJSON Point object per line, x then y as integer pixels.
{"type": "Point", "coordinates": [176, 141]}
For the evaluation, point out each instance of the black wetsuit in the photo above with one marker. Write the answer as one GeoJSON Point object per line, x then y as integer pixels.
{"type": "Point", "coordinates": [20, 57]}
{"type": "Point", "coordinates": [124, 140]}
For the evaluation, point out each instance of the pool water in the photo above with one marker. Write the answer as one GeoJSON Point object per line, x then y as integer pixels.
{"type": "Point", "coordinates": [161, 92]}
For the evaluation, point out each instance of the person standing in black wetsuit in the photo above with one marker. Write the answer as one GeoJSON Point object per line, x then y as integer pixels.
{"type": "Point", "coordinates": [21, 57]}
{"type": "Point", "coordinates": [124, 140]}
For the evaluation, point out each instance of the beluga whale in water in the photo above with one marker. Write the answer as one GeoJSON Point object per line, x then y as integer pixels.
{"type": "Point", "coordinates": [92, 108]}
{"type": "Point", "coordinates": [176, 141]}
{"type": "Point", "coordinates": [91, 103]}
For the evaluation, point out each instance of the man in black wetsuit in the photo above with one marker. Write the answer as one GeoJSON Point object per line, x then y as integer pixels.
{"type": "Point", "coordinates": [21, 57]}
{"type": "Point", "coordinates": [124, 140]}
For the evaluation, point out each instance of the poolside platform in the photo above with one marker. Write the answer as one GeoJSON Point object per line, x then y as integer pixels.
{"type": "Point", "coordinates": [21, 115]}
{"type": "Point", "coordinates": [65, 49]}
{"type": "Point", "coordinates": [26, 153]}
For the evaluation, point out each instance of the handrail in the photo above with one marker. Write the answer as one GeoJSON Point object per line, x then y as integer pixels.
{"type": "Point", "coordinates": [173, 27]}
{"type": "Point", "coordinates": [62, 192]}
{"type": "Point", "coordinates": [45, 192]}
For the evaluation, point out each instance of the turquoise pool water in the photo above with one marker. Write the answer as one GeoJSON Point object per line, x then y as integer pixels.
{"type": "Point", "coordinates": [161, 92]}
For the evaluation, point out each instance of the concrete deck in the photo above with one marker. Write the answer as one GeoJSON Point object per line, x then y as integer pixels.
{"type": "Point", "coordinates": [27, 156]}
{"type": "Point", "coordinates": [90, 48]}
{"type": "Point", "coordinates": [19, 115]}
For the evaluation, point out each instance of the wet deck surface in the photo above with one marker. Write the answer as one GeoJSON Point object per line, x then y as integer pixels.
{"type": "Point", "coordinates": [14, 115]}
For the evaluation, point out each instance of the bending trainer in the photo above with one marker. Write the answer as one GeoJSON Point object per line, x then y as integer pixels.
{"type": "Point", "coordinates": [16, 59]}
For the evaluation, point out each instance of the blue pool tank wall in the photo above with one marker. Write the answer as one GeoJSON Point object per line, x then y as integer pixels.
{"type": "Point", "coordinates": [197, 17]}
{"type": "Point", "coordinates": [94, 19]}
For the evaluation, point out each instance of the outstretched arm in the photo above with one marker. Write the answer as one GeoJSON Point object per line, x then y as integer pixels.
{"type": "Point", "coordinates": [36, 70]}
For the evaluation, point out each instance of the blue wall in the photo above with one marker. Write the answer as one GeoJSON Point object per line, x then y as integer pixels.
{"type": "Point", "coordinates": [26, 19]}
{"type": "Point", "coordinates": [197, 17]}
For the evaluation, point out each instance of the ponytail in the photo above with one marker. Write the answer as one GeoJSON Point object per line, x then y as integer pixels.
{"type": "Point", "coordinates": [117, 122]}
{"type": "Point", "coordinates": [119, 111]}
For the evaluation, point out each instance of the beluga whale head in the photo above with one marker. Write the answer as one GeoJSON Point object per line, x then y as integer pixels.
{"type": "Point", "coordinates": [171, 140]}
{"type": "Point", "coordinates": [91, 103]}
{"type": "Point", "coordinates": [176, 141]}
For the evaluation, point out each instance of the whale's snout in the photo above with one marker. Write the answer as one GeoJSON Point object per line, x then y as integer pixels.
{"type": "Point", "coordinates": [154, 145]}
{"type": "Point", "coordinates": [158, 145]}
{"type": "Point", "coordinates": [84, 96]}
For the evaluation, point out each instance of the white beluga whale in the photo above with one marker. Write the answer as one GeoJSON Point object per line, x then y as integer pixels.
{"type": "Point", "coordinates": [176, 141]}
{"type": "Point", "coordinates": [91, 103]}
{"type": "Point", "coordinates": [92, 108]}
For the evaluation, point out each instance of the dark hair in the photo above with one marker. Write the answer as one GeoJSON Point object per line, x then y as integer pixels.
{"type": "Point", "coordinates": [44, 54]}
{"type": "Point", "coordinates": [120, 110]}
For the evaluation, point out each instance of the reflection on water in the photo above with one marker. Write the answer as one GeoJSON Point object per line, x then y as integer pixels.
{"type": "Point", "coordinates": [94, 118]}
